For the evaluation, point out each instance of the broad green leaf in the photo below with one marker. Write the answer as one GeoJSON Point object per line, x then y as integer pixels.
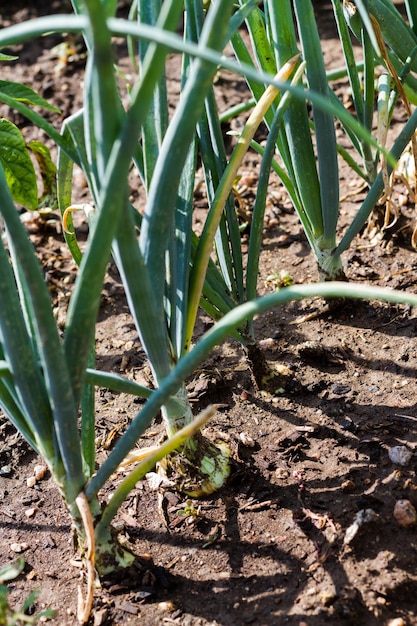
{"type": "Point", "coordinates": [17, 165]}
{"type": "Point", "coordinates": [48, 199]}
{"type": "Point", "coordinates": [20, 92]}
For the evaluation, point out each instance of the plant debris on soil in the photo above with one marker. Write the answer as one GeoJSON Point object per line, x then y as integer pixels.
{"type": "Point", "coordinates": [308, 530]}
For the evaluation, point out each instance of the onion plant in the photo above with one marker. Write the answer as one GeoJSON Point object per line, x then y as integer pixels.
{"type": "Point", "coordinates": [308, 164]}
{"type": "Point", "coordinates": [389, 49]}
{"type": "Point", "coordinates": [179, 263]}
{"type": "Point", "coordinates": [309, 167]}
{"type": "Point", "coordinates": [47, 381]}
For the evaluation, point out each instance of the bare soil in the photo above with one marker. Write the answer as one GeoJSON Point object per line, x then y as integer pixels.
{"type": "Point", "coordinates": [276, 545]}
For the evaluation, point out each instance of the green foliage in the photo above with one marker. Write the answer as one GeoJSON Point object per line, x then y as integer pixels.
{"type": "Point", "coordinates": [44, 382]}
{"type": "Point", "coordinates": [7, 57]}
{"type": "Point", "coordinates": [12, 617]}
{"type": "Point", "coordinates": [17, 92]}
{"type": "Point", "coordinates": [308, 169]}
{"type": "Point", "coordinates": [47, 380]}
{"type": "Point", "coordinates": [278, 280]}
{"type": "Point", "coordinates": [14, 152]}
{"type": "Point", "coordinates": [17, 165]}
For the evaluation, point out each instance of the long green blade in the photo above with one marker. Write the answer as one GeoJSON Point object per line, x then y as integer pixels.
{"type": "Point", "coordinates": [60, 418]}
{"type": "Point", "coordinates": [85, 301]}
{"type": "Point", "coordinates": [156, 122]}
{"type": "Point", "coordinates": [28, 402]}
{"type": "Point", "coordinates": [297, 126]}
{"type": "Point", "coordinates": [323, 121]}
{"type": "Point", "coordinates": [159, 214]}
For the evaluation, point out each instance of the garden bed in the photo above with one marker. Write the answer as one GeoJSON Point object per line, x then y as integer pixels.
{"type": "Point", "coordinates": [309, 456]}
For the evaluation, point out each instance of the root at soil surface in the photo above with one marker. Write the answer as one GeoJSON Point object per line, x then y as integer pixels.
{"type": "Point", "coordinates": [200, 468]}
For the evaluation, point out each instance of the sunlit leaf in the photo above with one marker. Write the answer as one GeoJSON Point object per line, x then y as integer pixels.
{"type": "Point", "coordinates": [20, 92]}
{"type": "Point", "coordinates": [17, 165]}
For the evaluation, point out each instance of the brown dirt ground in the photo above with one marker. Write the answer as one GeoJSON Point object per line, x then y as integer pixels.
{"type": "Point", "coordinates": [271, 548]}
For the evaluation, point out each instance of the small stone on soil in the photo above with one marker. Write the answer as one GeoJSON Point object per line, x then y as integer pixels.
{"type": "Point", "coordinates": [246, 440]}
{"type": "Point", "coordinates": [405, 513]}
{"type": "Point", "coordinates": [127, 607]}
{"type": "Point", "coordinates": [167, 606]}
{"type": "Point", "coordinates": [400, 455]}
{"type": "Point", "coordinates": [40, 471]}
{"type": "Point", "coordinates": [18, 547]}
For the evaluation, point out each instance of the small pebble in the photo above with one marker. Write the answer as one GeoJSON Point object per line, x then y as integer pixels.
{"type": "Point", "coordinates": [283, 240]}
{"type": "Point", "coordinates": [405, 513]}
{"type": "Point", "coordinates": [18, 547]}
{"type": "Point", "coordinates": [264, 344]}
{"type": "Point", "coordinates": [167, 606]}
{"type": "Point", "coordinates": [6, 470]}
{"type": "Point", "coordinates": [348, 424]}
{"type": "Point", "coordinates": [176, 614]}
{"type": "Point", "coordinates": [397, 621]}
{"type": "Point", "coordinates": [31, 512]}
{"type": "Point", "coordinates": [40, 471]}
{"type": "Point", "coordinates": [400, 455]}
{"type": "Point", "coordinates": [311, 350]}
{"type": "Point", "coordinates": [31, 481]}
{"type": "Point", "coordinates": [246, 440]}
